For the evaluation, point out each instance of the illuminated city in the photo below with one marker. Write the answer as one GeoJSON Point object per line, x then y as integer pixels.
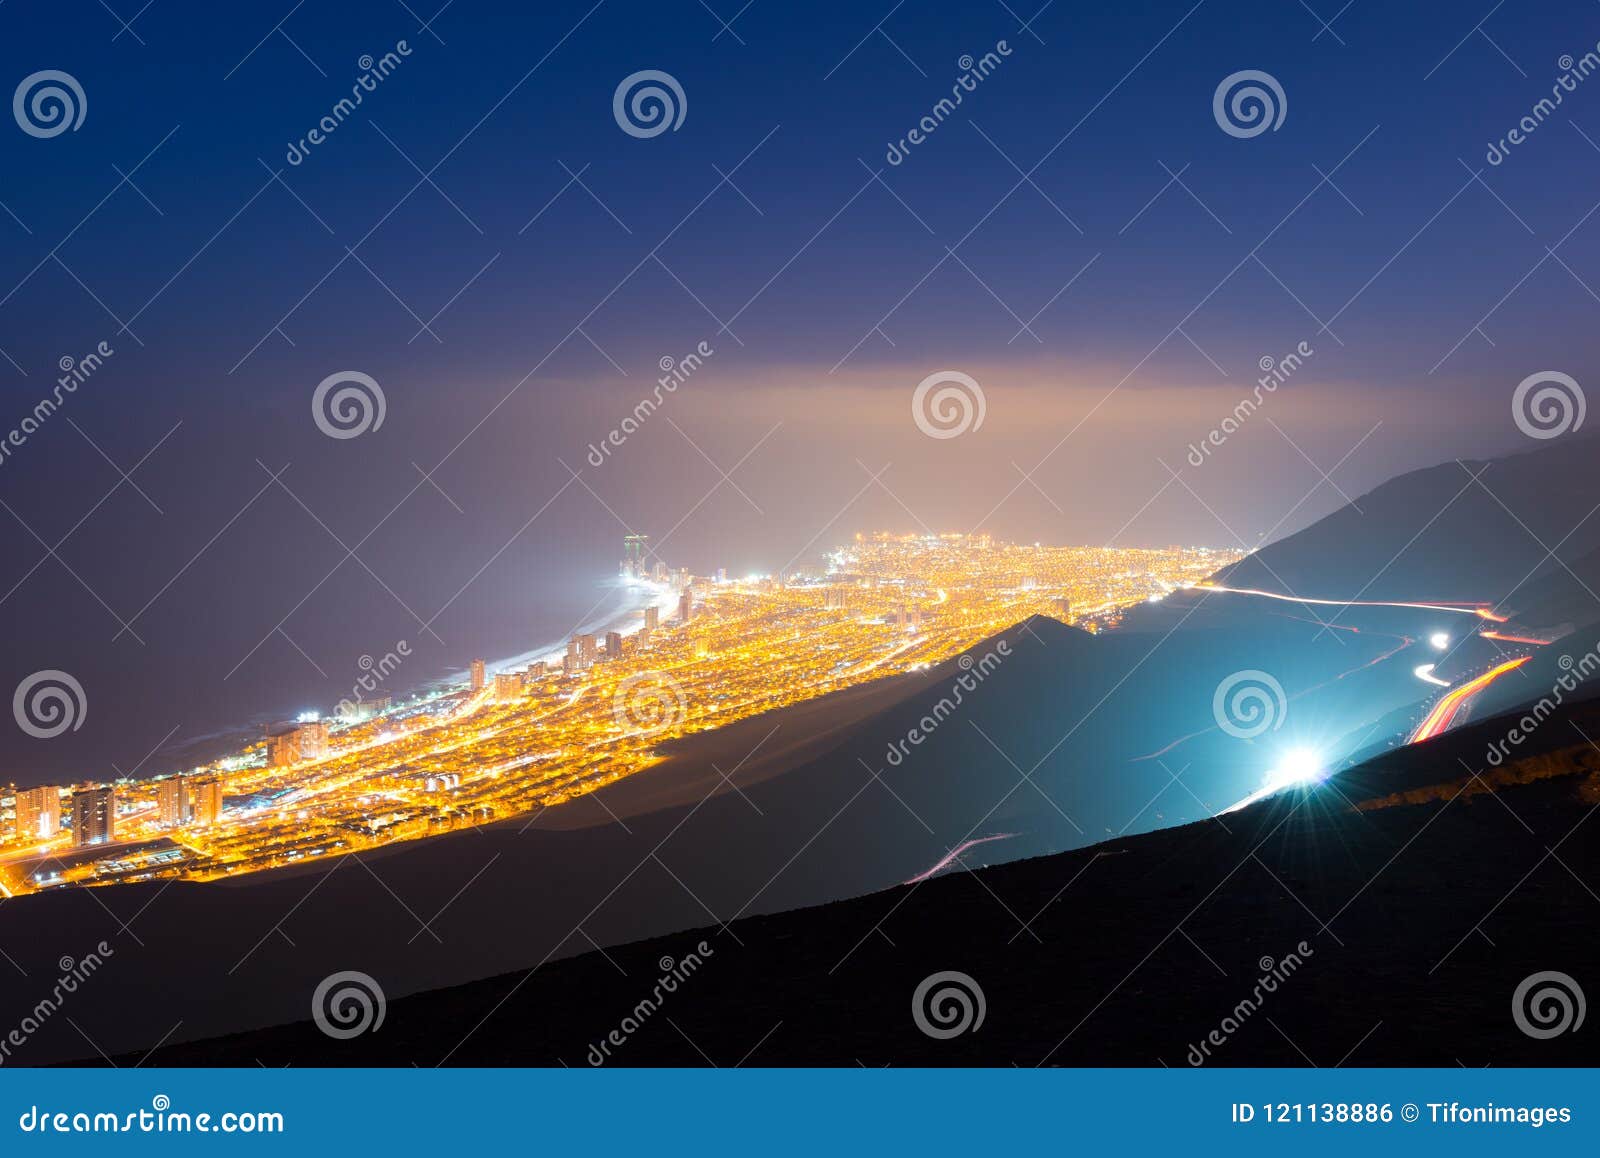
{"type": "Point", "coordinates": [696, 654]}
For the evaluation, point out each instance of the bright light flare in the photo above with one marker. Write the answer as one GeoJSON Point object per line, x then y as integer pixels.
{"type": "Point", "coordinates": [1295, 768]}
{"type": "Point", "coordinates": [1440, 640]}
{"type": "Point", "coordinates": [1298, 766]}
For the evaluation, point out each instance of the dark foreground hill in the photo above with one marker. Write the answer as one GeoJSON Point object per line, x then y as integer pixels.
{"type": "Point", "coordinates": [1386, 918]}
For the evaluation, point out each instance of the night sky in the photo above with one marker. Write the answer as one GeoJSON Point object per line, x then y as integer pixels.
{"type": "Point", "coordinates": [483, 239]}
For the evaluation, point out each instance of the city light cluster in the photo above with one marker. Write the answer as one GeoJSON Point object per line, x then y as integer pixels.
{"type": "Point", "coordinates": [704, 653]}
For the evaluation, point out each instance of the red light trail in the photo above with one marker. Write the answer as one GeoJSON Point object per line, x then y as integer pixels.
{"type": "Point", "coordinates": [1444, 712]}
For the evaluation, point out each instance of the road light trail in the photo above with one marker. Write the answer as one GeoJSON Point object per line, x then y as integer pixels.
{"type": "Point", "coordinates": [950, 857]}
{"type": "Point", "coordinates": [1444, 712]}
{"type": "Point", "coordinates": [1481, 610]}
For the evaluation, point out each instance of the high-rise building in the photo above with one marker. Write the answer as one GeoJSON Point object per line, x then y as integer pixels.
{"type": "Point", "coordinates": [613, 645]}
{"type": "Point", "coordinates": [297, 742]}
{"type": "Point", "coordinates": [282, 747]}
{"type": "Point", "coordinates": [172, 801]}
{"type": "Point", "coordinates": [507, 686]}
{"type": "Point", "coordinates": [581, 650]}
{"type": "Point", "coordinates": [205, 801]}
{"type": "Point", "coordinates": [652, 617]}
{"type": "Point", "coordinates": [685, 606]}
{"type": "Point", "coordinates": [38, 813]}
{"type": "Point", "coordinates": [313, 740]}
{"type": "Point", "coordinates": [94, 816]}
{"type": "Point", "coordinates": [634, 549]}
{"type": "Point", "coordinates": [479, 678]}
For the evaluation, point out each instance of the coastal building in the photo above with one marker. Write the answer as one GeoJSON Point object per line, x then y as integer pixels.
{"type": "Point", "coordinates": [634, 550]}
{"type": "Point", "coordinates": [507, 687]}
{"type": "Point", "coordinates": [297, 742]}
{"type": "Point", "coordinates": [205, 801]}
{"type": "Point", "coordinates": [479, 677]}
{"type": "Point", "coordinates": [38, 813]}
{"type": "Point", "coordinates": [94, 816]}
{"type": "Point", "coordinates": [172, 801]}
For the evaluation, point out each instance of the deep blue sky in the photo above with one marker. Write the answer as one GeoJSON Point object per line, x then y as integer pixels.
{"type": "Point", "coordinates": [802, 271]}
